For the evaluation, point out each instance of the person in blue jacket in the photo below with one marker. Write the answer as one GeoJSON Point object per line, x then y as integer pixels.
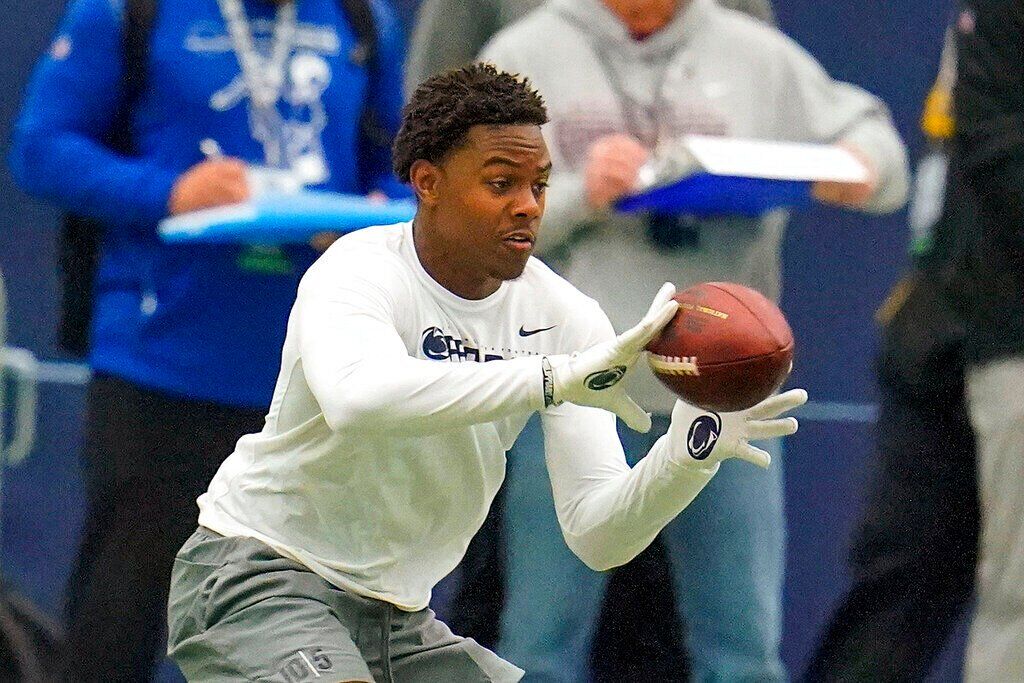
{"type": "Point", "coordinates": [185, 340]}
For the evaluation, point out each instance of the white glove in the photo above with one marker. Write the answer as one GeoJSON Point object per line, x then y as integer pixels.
{"type": "Point", "coordinates": [704, 437]}
{"type": "Point", "coordinates": [593, 377]}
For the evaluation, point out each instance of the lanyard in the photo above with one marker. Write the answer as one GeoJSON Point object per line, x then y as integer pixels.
{"type": "Point", "coordinates": [264, 78]}
{"type": "Point", "coordinates": [645, 122]}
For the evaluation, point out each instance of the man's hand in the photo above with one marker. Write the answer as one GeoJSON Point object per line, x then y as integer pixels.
{"type": "Point", "coordinates": [593, 377]}
{"type": "Point", "coordinates": [612, 166]}
{"type": "Point", "coordinates": [703, 438]}
{"type": "Point", "coordinates": [849, 195]}
{"type": "Point", "coordinates": [215, 182]}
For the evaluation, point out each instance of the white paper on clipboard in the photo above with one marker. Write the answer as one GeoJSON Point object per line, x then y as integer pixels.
{"type": "Point", "coordinates": [746, 158]}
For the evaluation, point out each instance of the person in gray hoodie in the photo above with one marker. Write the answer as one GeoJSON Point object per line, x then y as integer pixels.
{"type": "Point", "coordinates": [620, 77]}
{"type": "Point", "coordinates": [450, 33]}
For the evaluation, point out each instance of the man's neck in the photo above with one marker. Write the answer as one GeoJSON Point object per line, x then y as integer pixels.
{"type": "Point", "coordinates": [441, 261]}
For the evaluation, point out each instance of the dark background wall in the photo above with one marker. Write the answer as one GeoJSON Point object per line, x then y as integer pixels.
{"type": "Point", "coordinates": [26, 227]}
{"type": "Point", "coordinates": [838, 267]}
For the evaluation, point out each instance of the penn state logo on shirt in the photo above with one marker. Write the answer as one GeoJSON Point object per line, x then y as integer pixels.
{"type": "Point", "coordinates": [437, 345]}
{"type": "Point", "coordinates": [703, 435]}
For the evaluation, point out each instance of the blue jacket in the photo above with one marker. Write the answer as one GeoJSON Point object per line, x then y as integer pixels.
{"type": "Point", "coordinates": [205, 322]}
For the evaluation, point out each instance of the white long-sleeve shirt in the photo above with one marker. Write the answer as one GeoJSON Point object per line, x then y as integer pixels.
{"type": "Point", "coordinates": [385, 441]}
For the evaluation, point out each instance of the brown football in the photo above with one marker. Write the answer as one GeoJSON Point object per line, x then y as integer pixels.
{"type": "Point", "coordinates": [726, 349]}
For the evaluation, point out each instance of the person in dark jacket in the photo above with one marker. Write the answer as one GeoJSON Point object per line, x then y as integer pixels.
{"type": "Point", "coordinates": [914, 553]}
{"type": "Point", "coordinates": [989, 108]}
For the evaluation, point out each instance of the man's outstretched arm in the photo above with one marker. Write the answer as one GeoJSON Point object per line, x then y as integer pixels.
{"type": "Point", "coordinates": [608, 512]}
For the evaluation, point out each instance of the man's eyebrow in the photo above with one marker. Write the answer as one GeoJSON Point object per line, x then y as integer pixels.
{"type": "Point", "coordinates": [501, 160]}
{"type": "Point", "coordinates": [506, 161]}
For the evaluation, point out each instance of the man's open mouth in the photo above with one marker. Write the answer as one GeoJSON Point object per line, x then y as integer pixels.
{"type": "Point", "coordinates": [520, 238]}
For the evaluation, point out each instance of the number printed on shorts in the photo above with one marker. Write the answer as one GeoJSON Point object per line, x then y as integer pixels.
{"type": "Point", "coordinates": [305, 665]}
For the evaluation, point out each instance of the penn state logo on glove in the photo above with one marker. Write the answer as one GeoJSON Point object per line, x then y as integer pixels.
{"type": "Point", "coordinates": [703, 435]}
{"type": "Point", "coordinates": [605, 379]}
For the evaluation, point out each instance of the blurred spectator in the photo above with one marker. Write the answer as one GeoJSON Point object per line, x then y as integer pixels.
{"type": "Point", "coordinates": [449, 33]}
{"type": "Point", "coordinates": [185, 340]}
{"type": "Point", "coordinates": [913, 557]}
{"type": "Point", "coordinates": [989, 152]}
{"type": "Point", "coordinates": [618, 77]}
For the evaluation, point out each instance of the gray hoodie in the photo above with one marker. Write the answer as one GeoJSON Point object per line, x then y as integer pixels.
{"type": "Point", "coordinates": [450, 33]}
{"type": "Point", "coordinates": [710, 70]}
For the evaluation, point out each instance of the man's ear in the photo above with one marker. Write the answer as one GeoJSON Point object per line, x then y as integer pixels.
{"type": "Point", "coordinates": [424, 177]}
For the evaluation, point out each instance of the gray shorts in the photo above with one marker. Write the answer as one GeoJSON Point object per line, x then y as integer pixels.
{"type": "Point", "coordinates": [238, 611]}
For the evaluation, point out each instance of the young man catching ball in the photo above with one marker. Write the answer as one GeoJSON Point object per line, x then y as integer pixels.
{"type": "Point", "coordinates": [415, 354]}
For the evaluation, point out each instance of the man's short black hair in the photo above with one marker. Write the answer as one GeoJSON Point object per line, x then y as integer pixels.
{"type": "Point", "coordinates": [443, 109]}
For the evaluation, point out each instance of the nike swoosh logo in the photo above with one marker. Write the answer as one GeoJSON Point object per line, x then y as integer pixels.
{"type": "Point", "coordinates": [523, 332]}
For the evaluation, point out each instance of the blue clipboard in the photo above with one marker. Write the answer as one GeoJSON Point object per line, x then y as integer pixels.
{"type": "Point", "coordinates": [291, 218]}
{"type": "Point", "coordinates": [706, 194]}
